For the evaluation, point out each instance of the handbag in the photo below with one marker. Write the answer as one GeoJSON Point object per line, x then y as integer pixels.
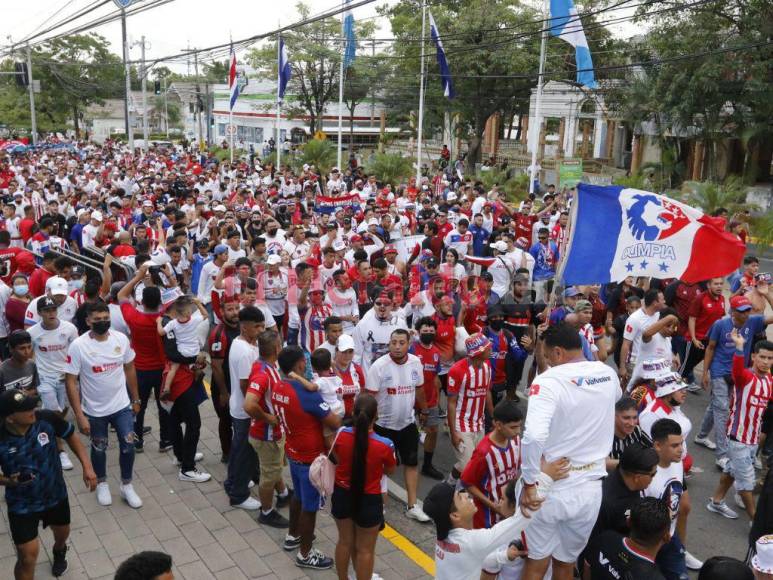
{"type": "Point", "coordinates": [322, 472]}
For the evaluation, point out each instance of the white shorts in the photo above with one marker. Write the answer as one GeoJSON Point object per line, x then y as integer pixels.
{"type": "Point", "coordinates": [469, 442]}
{"type": "Point", "coordinates": [562, 526]}
{"type": "Point", "coordinates": [53, 394]}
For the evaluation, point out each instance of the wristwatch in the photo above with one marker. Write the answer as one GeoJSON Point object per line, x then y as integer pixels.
{"type": "Point", "coordinates": [136, 402]}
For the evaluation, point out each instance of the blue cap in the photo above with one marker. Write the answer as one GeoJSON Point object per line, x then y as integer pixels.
{"type": "Point", "coordinates": [220, 249]}
{"type": "Point", "coordinates": [571, 291]}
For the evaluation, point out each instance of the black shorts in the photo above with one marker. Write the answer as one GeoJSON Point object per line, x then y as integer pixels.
{"type": "Point", "coordinates": [406, 442]}
{"type": "Point", "coordinates": [369, 514]}
{"type": "Point", "coordinates": [24, 527]}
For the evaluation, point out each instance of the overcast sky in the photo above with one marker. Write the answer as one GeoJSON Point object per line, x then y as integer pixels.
{"type": "Point", "coordinates": [169, 29]}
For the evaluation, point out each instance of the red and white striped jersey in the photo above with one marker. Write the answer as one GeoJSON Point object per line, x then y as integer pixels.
{"type": "Point", "coordinates": [470, 385]}
{"type": "Point", "coordinates": [310, 324]}
{"type": "Point", "coordinates": [490, 469]}
{"type": "Point", "coordinates": [748, 401]}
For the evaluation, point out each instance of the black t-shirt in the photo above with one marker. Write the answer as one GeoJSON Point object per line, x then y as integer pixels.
{"type": "Point", "coordinates": [615, 505]}
{"type": "Point", "coordinates": [519, 316]}
{"type": "Point", "coordinates": [637, 436]}
{"type": "Point", "coordinates": [611, 557]}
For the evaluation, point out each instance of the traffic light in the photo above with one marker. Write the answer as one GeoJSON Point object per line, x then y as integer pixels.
{"type": "Point", "coordinates": [157, 87]}
{"type": "Point", "coordinates": [22, 78]}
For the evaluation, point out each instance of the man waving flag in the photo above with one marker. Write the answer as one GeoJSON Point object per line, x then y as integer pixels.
{"type": "Point", "coordinates": [445, 72]}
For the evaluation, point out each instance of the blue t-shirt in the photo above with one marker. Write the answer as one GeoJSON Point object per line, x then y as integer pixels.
{"type": "Point", "coordinates": [720, 332]}
{"type": "Point", "coordinates": [480, 237]}
{"type": "Point", "coordinates": [197, 263]}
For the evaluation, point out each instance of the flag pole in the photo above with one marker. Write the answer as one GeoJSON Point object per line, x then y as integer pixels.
{"type": "Point", "coordinates": [421, 94]}
{"type": "Point", "coordinates": [231, 128]}
{"type": "Point", "coordinates": [278, 99]}
{"type": "Point", "coordinates": [536, 129]}
{"type": "Point", "coordinates": [341, 90]}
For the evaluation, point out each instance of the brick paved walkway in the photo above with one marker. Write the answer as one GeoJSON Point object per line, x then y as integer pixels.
{"type": "Point", "coordinates": [192, 522]}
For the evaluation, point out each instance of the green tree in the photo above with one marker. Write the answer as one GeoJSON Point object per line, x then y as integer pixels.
{"type": "Point", "coordinates": [360, 83]}
{"type": "Point", "coordinates": [390, 167]}
{"type": "Point", "coordinates": [217, 71]}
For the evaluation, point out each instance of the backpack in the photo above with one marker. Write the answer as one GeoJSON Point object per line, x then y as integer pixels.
{"type": "Point", "coordinates": [322, 472]}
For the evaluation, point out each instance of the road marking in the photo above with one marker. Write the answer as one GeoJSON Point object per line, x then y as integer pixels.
{"type": "Point", "coordinates": [409, 549]}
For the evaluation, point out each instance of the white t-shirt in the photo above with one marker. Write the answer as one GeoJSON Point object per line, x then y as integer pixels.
{"type": "Point", "coordinates": [65, 312]}
{"type": "Point", "coordinates": [240, 359]}
{"type": "Point", "coordinates": [185, 334]}
{"type": "Point", "coordinates": [275, 288]}
{"type": "Point", "coordinates": [209, 272]}
{"type": "Point", "coordinates": [89, 236]}
{"type": "Point", "coordinates": [343, 304]}
{"type": "Point", "coordinates": [371, 337]}
{"type": "Point", "coordinates": [668, 485]}
{"type": "Point", "coordinates": [117, 321]}
{"type": "Point", "coordinates": [635, 326]}
{"type": "Point", "coordinates": [571, 414]}
{"type": "Point", "coordinates": [99, 367]}
{"type": "Point", "coordinates": [659, 347]}
{"type": "Point", "coordinates": [50, 347]}
{"type": "Point", "coordinates": [394, 386]}
{"type": "Point", "coordinates": [329, 389]}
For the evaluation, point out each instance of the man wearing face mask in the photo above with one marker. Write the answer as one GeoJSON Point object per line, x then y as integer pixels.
{"type": "Point", "coordinates": [506, 354]}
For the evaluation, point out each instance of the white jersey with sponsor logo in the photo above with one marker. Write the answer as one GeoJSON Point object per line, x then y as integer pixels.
{"type": "Point", "coordinates": [50, 347]}
{"type": "Point", "coordinates": [65, 312]}
{"type": "Point", "coordinates": [371, 337]}
{"type": "Point", "coordinates": [571, 414]}
{"type": "Point", "coordinates": [394, 386]}
{"type": "Point", "coordinates": [99, 366]}
{"type": "Point", "coordinates": [635, 326]}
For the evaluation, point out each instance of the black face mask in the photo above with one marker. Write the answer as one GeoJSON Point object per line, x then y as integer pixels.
{"type": "Point", "coordinates": [496, 324]}
{"type": "Point", "coordinates": [100, 327]}
{"type": "Point", "coordinates": [271, 232]}
{"type": "Point", "coordinates": [427, 339]}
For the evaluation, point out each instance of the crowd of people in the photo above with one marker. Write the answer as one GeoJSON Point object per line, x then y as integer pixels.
{"type": "Point", "coordinates": [341, 323]}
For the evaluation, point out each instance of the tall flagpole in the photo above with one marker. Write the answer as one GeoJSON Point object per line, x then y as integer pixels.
{"type": "Point", "coordinates": [421, 94]}
{"type": "Point", "coordinates": [536, 130]}
{"type": "Point", "coordinates": [341, 90]}
{"type": "Point", "coordinates": [231, 128]}
{"type": "Point", "coordinates": [278, 98]}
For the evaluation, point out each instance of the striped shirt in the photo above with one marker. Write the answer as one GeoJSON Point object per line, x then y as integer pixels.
{"type": "Point", "coordinates": [470, 385]}
{"type": "Point", "coordinates": [310, 321]}
{"type": "Point", "coordinates": [748, 401]}
{"type": "Point", "coordinates": [490, 469]}
{"type": "Point", "coordinates": [637, 436]}
{"type": "Point", "coordinates": [263, 378]}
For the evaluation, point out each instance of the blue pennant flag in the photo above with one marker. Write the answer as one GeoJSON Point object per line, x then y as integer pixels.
{"type": "Point", "coordinates": [285, 71]}
{"type": "Point", "coordinates": [445, 72]}
{"type": "Point", "coordinates": [566, 24]}
{"type": "Point", "coordinates": [350, 48]}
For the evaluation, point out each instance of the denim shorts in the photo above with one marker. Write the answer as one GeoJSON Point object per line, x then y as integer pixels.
{"type": "Point", "coordinates": [306, 493]}
{"type": "Point", "coordinates": [741, 464]}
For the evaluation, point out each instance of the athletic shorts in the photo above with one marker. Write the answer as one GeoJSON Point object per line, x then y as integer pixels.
{"type": "Point", "coordinates": [433, 417]}
{"type": "Point", "coordinates": [406, 443]}
{"type": "Point", "coordinates": [562, 526]}
{"type": "Point", "coordinates": [24, 527]}
{"type": "Point", "coordinates": [53, 394]}
{"type": "Point", "coordinates": [469, 442]}
{"type": "Point", "coordinates": [271, 455]}
{"type": "Point", "coordinates": [369, 514]}
{"type": "Point", "coordinates": [306, 493]}
{"type": "Point", "coordinates": [741, 464]}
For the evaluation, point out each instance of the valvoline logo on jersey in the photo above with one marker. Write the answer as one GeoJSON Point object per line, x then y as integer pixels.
{"type": "Point", "coordinates": [580, 381]}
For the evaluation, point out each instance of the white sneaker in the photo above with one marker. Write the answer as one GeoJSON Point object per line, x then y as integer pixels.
{"type": "Point", "coordinates": [198, 457]}
{"type": "Point", "coordinates": [250, 504]}
{"type": "Point", "coordinates": [194, 475]}
{"type": "Point", "coordinates": [694, 388]}
{"type": "Point", "coordinates": [692, 562]}
{"type": "Point", "coordinates": [64, 459]}
{"type": "Point", "coordinates": [722, 463]}
{"type": "Point", "coordinates": [103, 494]}
{"type": "Point", "coordinates": [706, 442]}
{"type": "Point", "coordinates": [416, 513]}
{"type": "Point", "coordinates": [722, 509]}
{"type": "Point", "coordinates": [130, 496]}
{"type": "Point", "coordinates": [251, 484]}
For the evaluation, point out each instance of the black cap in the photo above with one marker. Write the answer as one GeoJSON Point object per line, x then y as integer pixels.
{"type": "Point", "coordinates": [487, 276]}
{"type": "Point", "coordinates": [495, 310]}
{"type": "Point", "coordinates": [203, 243]}
{"type": "Point", "coordinates": [432, 263]}
{"type": "Point", "coordinates": [78, 270]}
{"type": "Point", "coordinates": [438, 505]}
{"type": "Point", "coordinates": [13, 400]}
{"type": "Point", "coordinates": [638, 459]}
{"type": "Point", "coordinates": [45, 303]}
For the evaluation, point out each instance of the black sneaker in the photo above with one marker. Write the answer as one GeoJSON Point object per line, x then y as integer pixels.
{"type": "Point", "coordinates": [59, 565]}
{"type": "Point", "coordinates": [273, 519]}
{"type": "Point", "coordinates": [224, 458]}
{"type": "Point", "coordinates": [431, 472]}
{"type": "Point", "coordinates": [146, 429]}
{"type": "Point", "coordinates": [283, 501]}
{"type": "Point", "coordinates": [139, 447]}
{"type": "Point", "coordinates": [315, 560]}
{"type": "Point", "coordinates": [164, 446]}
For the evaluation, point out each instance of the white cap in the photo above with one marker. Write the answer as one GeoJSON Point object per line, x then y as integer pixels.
{"type": "Point", "coordinates": [273, 259]}
{"type": "Point", "coordinates": [763, 561]}
{"type": "Point", "coordinates": [500, 246]}
{"type": "Point", "coordinates": [81, 211]}
{"type": "Point", "coordinates": [147, 203]}
{"type": "Point", "coordinates": [57, 286]}
{"type": "Point", "coordinates": [159, 257]}
{"type": "Point", "coordinates": [339, 245]}
{"type": "Point", "coordinates": [669, 383]}
{"type": "Point", "coordinates": [451, 196]}
{"type": "Point", "coordinates": [654, 368]}
{"type": "Point", "coordinates": [345, 342]}
{"type": "Point", "coordinates": [97, 215]}
{"type": "Point", "coordinates": [220, 207]}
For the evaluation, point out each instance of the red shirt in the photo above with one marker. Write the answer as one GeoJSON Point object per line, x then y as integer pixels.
{"type": "Point", "coordinates": [430, 362]}
{"type": "Point", "coordinates": [380, 457]}
{"type": "Point", "coordinates": [300, 413]}
{"type": "Point", "coordinates": [524, 223]}
{"type": "Point", "coordinates": [25, 229]}
{"type": "Point", "coordinates": [443, 229]}
{"type": "Point", "coordinates": [263, 378]}
{"type": "Point", "coordinates": [353, 380]}
{"type": "Point", "coordinates": [445, 337]}
{"type": "Point", "coordinates": [749, 398]}
{"type": "Point", "coordinates": [706, 309]}
{"type": "Point", "coordinates": [38, 281]}
{"type": "Point", "coordinates": [8, 262]}
{"type": "Point", "coordinates": [144, 338]}
{"type": "Point", "coordinates": [470, 386]}
{"type": "Point", "coordinates": [122, 250]}
{"type": "Point", "coordinates": [683, 298]}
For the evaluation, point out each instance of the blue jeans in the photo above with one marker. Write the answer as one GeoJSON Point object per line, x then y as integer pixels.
{"type": "Point", "coordinates": [716, 415]}
{"type": "Point", "coordinates": [242, 462]}
{"type": "Point", "coordinates": [123, 421]}
{"type": "Point", "coordinates": [670, 560]}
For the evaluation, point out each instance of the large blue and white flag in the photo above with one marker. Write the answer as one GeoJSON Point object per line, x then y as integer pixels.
{"type": "Point", "coordinates": [350, 48]}
{"type": "Point", "coordinates": [233, 81]}
{"type": "Point", "coordinates": [285, 71]}
{"type": "Point", "coordinates": [616, 232]}
{"type": "Point", "coordinates": [445, 72]}
{"type": "Point", "coordinates": [566, 24]}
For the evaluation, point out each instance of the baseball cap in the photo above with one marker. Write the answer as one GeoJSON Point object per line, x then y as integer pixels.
{"type": "Point", "coordinates": [571, 292]}
{"type": "Point", "coordinates": [220, 249]}
{"type": "Point", "coordinates": [499, 246]}
{"type": "Point", "coordinates": [390, 249]}
{"type": "Point", "coordinates": [740, 303]}
{"type": "Point", "coordinates": [356, 238]}
{"type": "Point", "coordinates": [147, 203]}
{"type": "Point", "coordinates": [432, 263]}
{"type": "Point", "coordinates": [273, 259]}
{"type": "Point", "coordinates": [203, 244]}
{"type": "Point", "coordinates": [345, 342]}
{"type": "Point", "coordinates": [77, 270]}
{"type": "Point", "coordinates": [13, 400]}
{"type": "Point", "coordinates": [669, 383]}
{"type": "Point", "coordinates": [487, 276]}
{"type": "Point", "coordinates": [339, 245]}
{"type": "Point", "coordinates": [57, 286]}
{"type": "Point", "coordinates": [219, 207]}
{"type": "Point", "coordinates": [522, 242]}
{"type": "Point", "coordinates": [638, 459]}
{"type": "Point", "coordinates": [438, 505]}
{"type": "Point", "coordinates": [476, 344]}
{"type": "Point", "coordinates": [46, 303]}
{"type": "Point", "coordinates": [96, 215]}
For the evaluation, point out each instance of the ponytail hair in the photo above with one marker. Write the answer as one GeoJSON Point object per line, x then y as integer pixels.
{"type": "Point", "coordinates": [364, 414]}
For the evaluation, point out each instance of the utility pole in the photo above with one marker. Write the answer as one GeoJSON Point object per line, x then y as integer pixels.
{"type": "Point", "coordinates": [33, 121]}
{"type": "Point", "coordinates": [372, 87]}
{"type": "Point", "coordinates": [128, 85]}
{"type": "Point", "coordinates": [142, 74]}
{"type": "Point", "coordinates": [166, 110]}
{"type": "Point", "coordinates": [198, 97]}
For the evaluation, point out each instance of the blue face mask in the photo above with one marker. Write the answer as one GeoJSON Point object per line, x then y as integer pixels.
{"type": "Point", "coordinates": [21, 289]}
{"type": "Point", "coordinates": [76, 284]}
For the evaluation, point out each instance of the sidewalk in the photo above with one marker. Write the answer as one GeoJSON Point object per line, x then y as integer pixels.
{"type": "Point", "coordinates": [192, 522]}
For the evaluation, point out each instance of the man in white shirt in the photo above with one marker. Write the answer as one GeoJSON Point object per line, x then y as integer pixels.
{"type": "Point", "coordinates": [100, 376]}
{"type": "Point", "coordinates": [373, 333]}
{"type": "Point", "coordinates": [459, 239]}
{"type": "Point", "coordinates": [571, 415]}
{"type": "Point", "coordinates": [635, 326]}
{"type": "Point", "coordinates": [56, 289]}
{"type": "Point", "coordinates": [396, 381]}
{"type": "Point", "coordinates": [208, 275]}
{"type": "Point", "coordinates": [242, 460]}
{"type": "Point", "coordinates": [656, 343]}
{"type": "Point", "coordinates": [92, 231]}
{"type": "Point", "coordinates": [343, 301]}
